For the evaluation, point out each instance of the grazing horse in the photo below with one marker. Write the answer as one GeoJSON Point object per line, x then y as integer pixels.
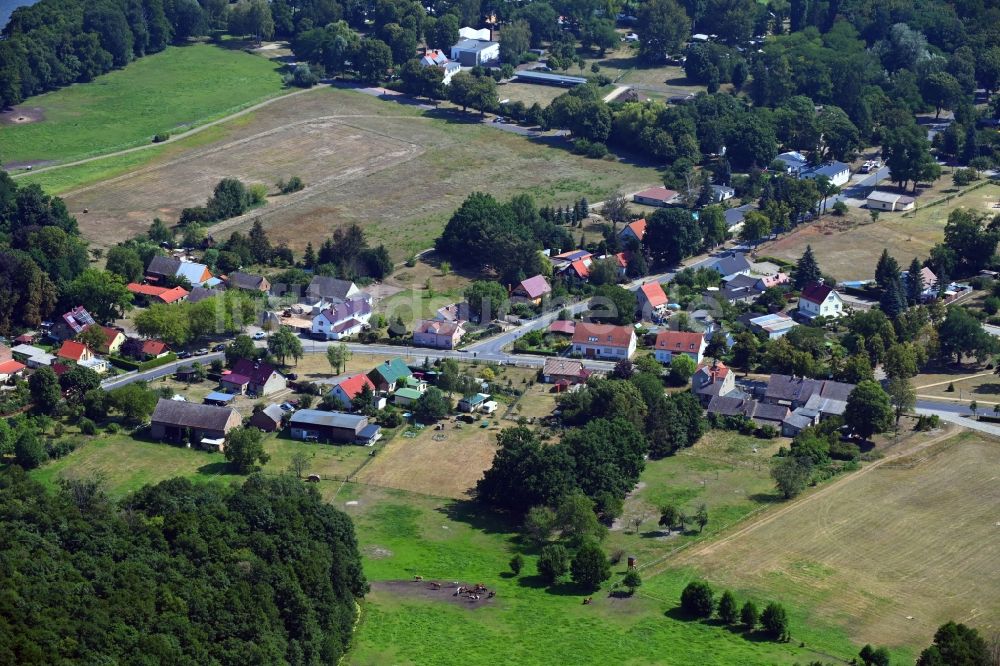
{"type": "Point", "coordinates": [417, 579]}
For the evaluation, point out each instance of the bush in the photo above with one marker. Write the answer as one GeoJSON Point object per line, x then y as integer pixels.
{"type": "Point", "coordinates": [553, 563]}
{"type": "Point", "coordinates": [87, 427]}
{"type": "Point", "coordinates": [965, 177]}
{"type": "Point", "coordinates": [696, 599]}
{"type": "Point", "coordinates": [258, 194]}
{"type": "Point", "coordinates": [301, 77]}
{"type": "Point", "coordinates": [592, 149]}
{"type": "Point", "coordinates": [160, 137]}
{"type": "Point", "coordinates": [632, 580]}
{"type": "Point", "coordinates": [839, 208]}
{"type": "Point", "coordinates": [294, 184]}
{"type": "Point", "coordinates": [59, 449]}
{"type": "Point", "coordinates": [774, 620]}
{"type": "Point", "coordinates": [516, 563]}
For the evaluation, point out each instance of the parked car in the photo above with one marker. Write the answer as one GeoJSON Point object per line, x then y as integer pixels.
{"type": "Point", "coordinates": [184, 354]}
{"type": "Point", "coordinates": [202, 351]}
{"type": "Point", "coordinates": [291, 375]}
{"type": "Point", "coordinates": [219, 347]}
{"type": "Point", "coordinates": [259, 335]}
{"type": "Point", "coordinates": [287, 407]}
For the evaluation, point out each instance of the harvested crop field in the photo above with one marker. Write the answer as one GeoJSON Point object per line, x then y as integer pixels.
{"type": "Point", "coordinates": [395, 170]}
{"type": "Point", "coordinates": [889, 555]}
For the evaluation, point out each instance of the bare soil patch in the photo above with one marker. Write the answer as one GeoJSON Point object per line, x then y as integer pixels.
{"type": "Point", "coordinates": [22, 115]}
{"type": "Point", "coordinates": [441, 591]}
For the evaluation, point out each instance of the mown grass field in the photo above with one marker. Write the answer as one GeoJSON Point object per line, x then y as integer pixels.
{"type": "Point", "coordinates": [397, 171]}
{"type": "Point", "coordinates": [171, 91]}
{"type": "Point", "coordinates": [848, 248]}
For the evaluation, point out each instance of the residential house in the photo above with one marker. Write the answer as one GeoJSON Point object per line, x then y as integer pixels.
{"type": "Point", "coordinates": [799, 420]}
{"type": "Point", "coordinates": [149, 293]}
{"type": "Point", "coordinates": [348, 389]}
{"type": "Point", "coordinates": [731, 406]}
{"type": "Point", "coordinates": [741, 288]}
{"type": "Point", "coordinates": [730, 265]}
{"type": "Point", "coordinates": [177, 421]}
{"type": "Point", "coordinates": [234, 383]}
{"type": "Point", "coordinates": [436, 58]}
{"type": "Point", "coordinates": [775, 280]}
{"type": "Point", "coordinates": [75, 351]}
{"type": "Point", "coordinates": [33, 357]}
{"type": "Point", "coordinates": [248, 281]}
{"type": "Point", "coordinates": [437, 334]}
{"type": "Point", "coordinates": [670, 344]}
{"type": "Point", "coordinates": [734, 217]}
{"type": "Point", "coordinates": [144, 350]}
{"type": "Point", "coordinates": [578, 270]}
{"type": "Point", "coordinates": [826, 397]}
{"type": "Point", "coordinates": [390, 374]}
{"type": "Point", "coordinates": [713, 379]}
{"type": "Point", "coordinates": [774, 326]}
{"type": "Point", "coordinates": [325, 289]}
{"type": "Point", "coordinates": [566, 371]}
{"type": "Point", "coordinates": [473, 403]}
{"type": "Point", "coordinates": [342, 319]}
{"type": "Point", "coordinates": [820, 300]}
{"type": "Point", "coordinates": [10, 369]}
{"type": "Point", "coordinates": [722, 193]}
{"type": "Point", "coordinates": [219, 399]}
{"type": "Point", "coordinates": [201, 293]}
{"type": "Point", "coordinates": [405, 397]}
{"type": "Point", "coordinates": [652, 300]}
{"type": "Point", "coordinates": [455, 312]}
{"type": "Point", "coordinates": [267, 419]}
{"type": "Point", "coordinates": [794, 162]}
{"type": "Point", "coordinates": [765, 414]}
{"type": "Point", "coordinates": [264, 377]}
{"type": "Point", "coordinates": [197, 274]}
{"type": "Point", "coordinates": [71, 324]}
{"type": "Point", "coordinates": [838, 173]}
{"type": "Point", "coordinates": [604, 341]}
{"type": "Point", "coordinates": [338, 427]}
{"type": "Point", "coordinates": [635, 230]}
{"type": "Point", "coordinates": [161, 268]}
{"type": "Point", "coordinates": [928, 282]}
{"type": "Point", "coordinates": [889, 202]}
{"type": "Point", "coordinates": [532, 290]}
{"type": "Point", "coordinates": [657, 196]}
{"type": "Point", "coordinates": [562, 327]}
{"type": "Point", "coordinates": [475, 52]}
{"type": "Point", "coordinates": [560, 262]}
{"type": "Point", "coordinates": [114, 338]}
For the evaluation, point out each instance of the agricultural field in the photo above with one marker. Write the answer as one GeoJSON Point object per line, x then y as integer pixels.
{"type": "Point", "coordinates": [391, 168]}
{"type": "Point", "coordinates": [171, 91]}
{"type": "Point", "coordinates": [887, 557]}
{"type": "Point", "coordinates": [849, 247]}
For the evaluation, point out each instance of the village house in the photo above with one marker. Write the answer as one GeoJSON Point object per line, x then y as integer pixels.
{"type": "Point", "coordinates": [201, 293]}
{"type": "Point", "coordinates": [741, 288]}
{"type": "Point", "coordinates": [9, 368]}
{"type": "Point", "coordinates": [437, 334]}
{"type": "Point", "coordinates": [267, 419]}
{"type": "Point", "coordinates": [762, 414]}
{"type": "Point", "coordinates": [337, 427]}
{"type": "Point", "coordinates": [475, 52]}
{"type": "Point", "coordinates": [670, 344]}
{"type": "Point", "coordinates": [453, 312]}
{"type": "Point", "coordinates": [160, 268]}
{"type": "Point", "coordinates": [144, 350]}
{"type": "Point", "coordinates": [178, 420]}
{"type": "Point", "coordinates": [33, 357]}
{"type": "Point", "coordinates": [148, 293]}
{"type": "Point", "coordinates": [480, 402]}
{"type": "Point", "coordinates": [731, 265]}
{"type": "Point", "coordinates": [799, 420]}
{"type": "Point", "coordinates": [820, 300]}
{"type": "Point", "coordinates": [328, 290]}
{"type": "Point", "coordinates": [390, 374]}
{"type": "Point", "coordinates": [71, 324]}
{"type": "Point", "coordinates": [635, 230]}
{"type": "Point", "coordinates": [348, 389]}
{"type": "Point", "coordinates": [604, 341]}
{"type": "Point", "coordinates": [826, 397]}
{"type": "Point", "coordinates": [342, 319]}
{"type": "Point", "coordinates": [254, 377]}
{"type": "Point", "coordinates": [566, 371]}
{"type": "Point", "coordinates": [774, 326]}
{"type": "Point", "coordinates": [838, 173]}
{"type": "Point", "coordinates": [656, 196]}
{"type": "Point", "coordinates": [248, 282]}
{"type": "Point", "coordinates": [722, 193]}
{"type": "Point", "coordinates": [652, 300]}
{"type": "Point", "coordinates": [437, 58]}
{"type": "Point", "coordinates": [75, 351]}
{"type": "Point", "coordinates": [531, 291]}
{"type": "Point", "coordinates": [114, 338]}
{"type": "Point", "coordinates": [713, 379]}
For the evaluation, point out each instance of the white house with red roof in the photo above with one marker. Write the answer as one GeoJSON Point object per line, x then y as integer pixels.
{"type": "Point", "coordinates": [670, 344]}
{"type": "Point", "coordinates": [636, 230]}
{"type": "Point", "coordinates": [438, 334]}
{"type": "Point", "coordinates": [81, 354]}
{"type": "Point", "coordinates": [9, 368]}
{"type": "Point", "coordinates": [350, 388]}
{"type": "Point", "coordinates": [656, 196]}
{"type": "Point", "coordinates": [604, 341]}
{"type": "Point", "coordinates": [531, 290]}
{"type": "Point", "coordinates": [820, 300]}
{"type": "Point", "coordinates": [711, 380]}
{"type": "Point", "coordinates": [114, 338]}
{"type": "Point", "coordinates": [652, 299]}
{"type": "Point", "coordinates": [437, 58]}
{"type": "Point", "coordinates": [578, 270]}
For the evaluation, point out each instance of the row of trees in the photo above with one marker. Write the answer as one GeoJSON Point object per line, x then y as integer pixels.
{"type": "Point", "coordinates": [698, 601]}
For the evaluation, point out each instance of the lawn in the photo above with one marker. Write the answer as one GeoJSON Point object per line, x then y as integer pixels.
{"type": "Point", "coordinates": [848, 248]}
{"type": "Point", "coordinates": [529, 93]}
{"type": "Point", "coordinates": [395, 170]}
{"type": "Point", "coordinates": [170, 91]}
{"type": "Point", "coordinates": [403, 535]}
{"type": "Point", "coordinates": [886, 558]}
{"type": "Point", "coordinates": [969, 384]}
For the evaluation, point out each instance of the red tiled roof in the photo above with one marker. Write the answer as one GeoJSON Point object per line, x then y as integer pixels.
{"type": "Point", "coordinates": [566, 326]}
{"type": "Point", "coordinates": [11, 367]}
{"type": "Point", "coordinates": [606, 335]}
{"type": "Point", "coordinates": [235, 378]}
{"type": "Point", "coordinates": [110, 333]}
{"type": "Point", "coordinates": [72, 350]}
{"type": "Point", "coordinates": [638, 227]}
{"type": "Point", "coordinates": [352, 386]}
{"type": "Point", "coordinates": [622, 260]}
{"type": "Point", "coordinates": [679, 341]}
{"type": "Point", "coordinates": [145, 289]}
{"type": "Point", "coordinates": [172, 295]}
{"type": "Point", "coordinates": [153, 347]}
{"type": "Point", "coordinates": [716, 369]}
{"type": "Point", "coordinates": [580, 268]}
{"type": "Point", "coordinates": [816, 292]}
{"type": "Point", "coordinates": [654, 294]}
{"type": "Point", "coordinates": [438, 327]}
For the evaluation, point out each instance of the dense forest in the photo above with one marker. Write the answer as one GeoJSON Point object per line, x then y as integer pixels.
{"type": "Point", "coordinates": [176, 573]}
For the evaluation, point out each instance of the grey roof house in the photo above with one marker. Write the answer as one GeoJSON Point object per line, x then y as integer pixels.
{"type": "Point", "coordinates": [340, 427]}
